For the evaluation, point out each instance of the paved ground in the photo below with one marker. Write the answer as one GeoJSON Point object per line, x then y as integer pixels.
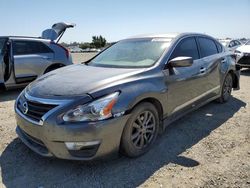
{"type": "Point", "coordinates": [207, 148]}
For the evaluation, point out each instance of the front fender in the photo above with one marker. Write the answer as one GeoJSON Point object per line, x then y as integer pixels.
{"type": "Point", "coordinates": [131, 96]}
{"type": "Point", "coordinates": [135, 90]}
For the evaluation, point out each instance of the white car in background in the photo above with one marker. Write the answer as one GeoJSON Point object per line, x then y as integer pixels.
{"type": "Point", "coordinates": [230, 44]}
{"type": "Point", "coordinates": [243, 55]}
{"type": "Point", "coordinates": [75, 49]}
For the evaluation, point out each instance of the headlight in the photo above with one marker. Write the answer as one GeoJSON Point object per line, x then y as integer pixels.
{"type": "Point", "coordinates": [97, 110]}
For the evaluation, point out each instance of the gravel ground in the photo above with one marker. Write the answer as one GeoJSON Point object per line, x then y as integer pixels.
{"type": "Point", "coordinates": [207, 148]}
{"type": "Point", "coordinates": [82, 57]}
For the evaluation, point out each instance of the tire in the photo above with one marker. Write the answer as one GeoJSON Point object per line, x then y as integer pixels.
{"type": "Point", "coordinates": [144, 131]}
{"type": "Point", "coordinates": [53, 68]}
{"type": "Point", "coordinates": [226, 89]}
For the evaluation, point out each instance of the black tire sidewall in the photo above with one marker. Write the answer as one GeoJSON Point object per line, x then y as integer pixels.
{"type": "Point", "coordinates": [222, 98]}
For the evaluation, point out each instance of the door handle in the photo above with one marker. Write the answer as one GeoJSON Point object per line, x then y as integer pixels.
{"type": "Point", "coordinates": [202, 70]}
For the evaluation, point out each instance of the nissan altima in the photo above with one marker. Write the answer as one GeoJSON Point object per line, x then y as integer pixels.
{"type": "Point", "coordinates": [120, 100]}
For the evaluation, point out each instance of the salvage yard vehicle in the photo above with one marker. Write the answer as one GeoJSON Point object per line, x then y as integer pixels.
{"type": "Point", "coordinates": [243, 55]}
{"type": "Point", "coordinates": [121, 99]}
{"type": "Point", "coordinates": [75, 49]}
{"type": "Point", "coordinates": [231, 44]}
{"type": "Point", "coordinates": [23, 59]}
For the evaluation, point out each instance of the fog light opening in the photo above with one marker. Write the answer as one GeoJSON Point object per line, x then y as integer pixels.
{"type": "Point", "coordinates": [80, 145]}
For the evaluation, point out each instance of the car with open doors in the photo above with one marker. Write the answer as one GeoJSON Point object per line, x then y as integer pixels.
{"type": "Point", "coordinates": [23, 59]}
{"type": "Point", "coordinates": [121, 99]}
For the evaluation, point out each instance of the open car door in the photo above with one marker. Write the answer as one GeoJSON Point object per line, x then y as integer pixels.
{"type": "Point", "coordinates": [56, 32]}
{"type": "Point", "coordinates": [5, 60]}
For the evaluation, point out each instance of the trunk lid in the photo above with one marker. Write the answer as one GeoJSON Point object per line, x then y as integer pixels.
{"type": "Point", "coordinates": [56, 32]}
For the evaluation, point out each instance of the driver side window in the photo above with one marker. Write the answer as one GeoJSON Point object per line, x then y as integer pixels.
{"type": "Point", "coordinates": [187, 47]}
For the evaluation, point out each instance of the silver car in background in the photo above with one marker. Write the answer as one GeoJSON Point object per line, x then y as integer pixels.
{"type": "Point", "coordinates": [243, 55]}
{"type": "Point", "coordinates": [23, 59]}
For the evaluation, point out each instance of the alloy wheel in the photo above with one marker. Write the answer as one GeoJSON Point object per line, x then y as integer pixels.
{"type": "Point", "coordinates": [143, 130]}
{"type": "Point", "coordinates": [227, 89]}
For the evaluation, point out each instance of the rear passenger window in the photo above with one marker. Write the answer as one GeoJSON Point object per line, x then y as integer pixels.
{"type": "Point", "coordinates": [187, 47]}
{"type": "Point", "coordinates": [207, 47]}
{"type": "Point", "coordinates": [219, 47]}
{"type": "Point", "coordinates": [30, 47]}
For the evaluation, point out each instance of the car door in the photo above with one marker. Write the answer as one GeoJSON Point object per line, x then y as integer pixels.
{"type": "Point", "coordinates": [2, 64]}
{"type": "Point", "coordinates": [5, 67]}
{"type": "Point", "coordinates": [30, 59]}
{"type": "Point", "coordinates": [211, 60]}
{"type": "Point", "coordinates": [185, 84]}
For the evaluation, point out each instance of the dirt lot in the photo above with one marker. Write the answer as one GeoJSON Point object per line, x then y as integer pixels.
{"type": "Point", "coordinates": [82, 57]}
{"type": "Point", "coordinates": [207, 148]}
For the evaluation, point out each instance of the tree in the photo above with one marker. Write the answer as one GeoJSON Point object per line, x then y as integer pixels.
{"type": "Point", "coordinates": [98, 41]}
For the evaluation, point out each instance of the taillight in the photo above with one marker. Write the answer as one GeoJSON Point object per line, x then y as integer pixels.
{"type": "Point", "coordinates": [65, 49]}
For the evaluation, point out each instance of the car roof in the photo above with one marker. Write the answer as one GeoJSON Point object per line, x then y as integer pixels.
{"type": "Point", "coordinates": [168, 35]}
{"type": "Point", "coordinates": [25, 38]}
{"type": "Point", "coordinates": [164, 35]}
{"type": "Point", "coordinates": [228, 40]}
{"type": "Point", "coordinates": [225, 40]}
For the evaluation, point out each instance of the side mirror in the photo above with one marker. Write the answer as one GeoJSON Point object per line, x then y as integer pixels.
{"type": "Point", "coordinates": [181, 62]}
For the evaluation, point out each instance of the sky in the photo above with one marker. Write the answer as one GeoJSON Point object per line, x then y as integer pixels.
{"type": "Point", "coordinates": [117, 20]}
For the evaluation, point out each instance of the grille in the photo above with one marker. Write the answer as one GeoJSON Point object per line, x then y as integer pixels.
{"type": "Point", "coordinates": [35, 110]}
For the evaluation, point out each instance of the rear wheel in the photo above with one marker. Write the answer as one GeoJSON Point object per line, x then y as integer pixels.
{"type": "Point", "coordinates": [226, 89]}
{"type": "Point", "coordinates": [140, 131]}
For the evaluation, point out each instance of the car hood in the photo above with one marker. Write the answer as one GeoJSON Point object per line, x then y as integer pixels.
{"type": "Point", "coordinates": [76, 80]}
{"type": "Point", "coordinates": [244, 48]}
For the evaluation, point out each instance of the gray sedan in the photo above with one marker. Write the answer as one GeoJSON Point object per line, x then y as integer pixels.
{"type": "Point", "coordinates": [120, 100]}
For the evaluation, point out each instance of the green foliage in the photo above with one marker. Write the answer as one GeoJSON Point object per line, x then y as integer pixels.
{"type": "Point", "coordinates": [85, 45]}
{"type": "Point", "coordinates": [98, 41]}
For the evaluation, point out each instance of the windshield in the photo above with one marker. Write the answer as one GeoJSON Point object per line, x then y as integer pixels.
{"type": "Point", "coordinates": [132, 53]}
{"type": "Point", "coordinates": [2, 43]}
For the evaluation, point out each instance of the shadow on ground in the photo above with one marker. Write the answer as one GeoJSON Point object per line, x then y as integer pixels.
{"type": "Point", "coordinates": [22, 168]}
{"type": "Point", "coordinates": [9, 95]}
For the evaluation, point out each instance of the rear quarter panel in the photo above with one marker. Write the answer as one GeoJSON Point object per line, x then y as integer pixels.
{"type": "Point", "coordinates": [1, 69]}
{"type": "Point", "coordinates": [60, 55]}
{"type": "Point", "coordinates": [229, 66]}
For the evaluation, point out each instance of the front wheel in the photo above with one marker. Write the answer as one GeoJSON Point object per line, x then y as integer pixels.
{"type": "Point", "coordinates": [226, 89]}
{"type": "Point", "coordinates": [140, 131]}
